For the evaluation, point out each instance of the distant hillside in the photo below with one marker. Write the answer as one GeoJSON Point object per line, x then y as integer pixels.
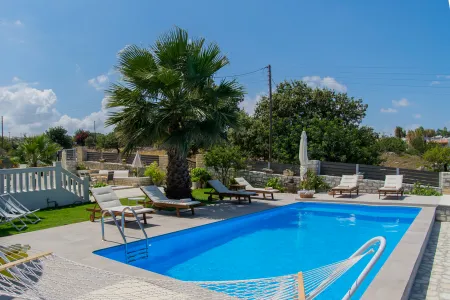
{"type": "Point", "coordinates": [404, 161]}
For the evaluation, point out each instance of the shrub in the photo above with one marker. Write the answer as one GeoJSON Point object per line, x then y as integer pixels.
{"type": "Point", "coordinates": [200, 175]}
{"type": "Point", "coordinates": [81, 167]}
{"type": "Point", "coordinates": [223, 159]}
{"type": "Point", "coordinates": [421, 190]}
{"type": "Point", "coordinates": [275, 183]}
{"type": "Point", "coordinates": [313, 182]}
{"type": "Point", "coordinates": [100, 184]}
{"type": "Point", "coordinates": [392, 144]}
{"type": "Point", "coordinates": [155, 173]}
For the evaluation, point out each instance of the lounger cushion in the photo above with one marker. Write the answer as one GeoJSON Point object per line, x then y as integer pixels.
{"type": "Point", "coordinates": [263, 190]}
{"type": "Point", "coordinates": [221, 189]}
{"type": "Point", "coordinates": [156, 196]}
{"type": "Point", "coordinates": [392, 182]}
{"type": "Point", "coordinates": [106, 197]}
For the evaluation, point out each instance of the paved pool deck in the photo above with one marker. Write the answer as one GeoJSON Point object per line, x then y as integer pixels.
{"type": "Point", "coordinates": [77, 241]}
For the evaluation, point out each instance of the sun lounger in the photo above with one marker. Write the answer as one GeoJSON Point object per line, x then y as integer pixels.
{"type": "Point", "coordinates": [8, 217]}
{"type": "Point", "coordinates": [250, 188]}
{"type": "Point", "coordinates": [393, 184]}
{"type": "Point", "coordinates": [15, 207]}
{"type": "Point", "coordinates": [107, 200]}
{"type": "Point", "coordinates": [160, 200]}
{"type": "Point", "coordinates": [348, 184]}
{"type": "Point", "coordinates": [223, 191]}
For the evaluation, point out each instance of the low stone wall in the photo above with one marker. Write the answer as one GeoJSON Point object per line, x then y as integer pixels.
{"type": "Point", "coordinates": [95, 165]}
{"type": "Point", "coordinates": [133, 181]}
{"type": "Point", "coordinates": [367, 186]}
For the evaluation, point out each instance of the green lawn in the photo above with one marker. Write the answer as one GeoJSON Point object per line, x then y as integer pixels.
{"type": "Point", "coordinates": [53, 217]}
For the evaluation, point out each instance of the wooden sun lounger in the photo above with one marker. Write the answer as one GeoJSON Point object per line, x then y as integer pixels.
{"type": "Point", "coordinates": [250, 188]}
{"type": "Point", "coordinates": [393, 184]}
{"type": "Point", "coordinates": [222, 191]}
{"type": "Point", "coordinates": [159, 200]}
{"type": "Point", "coordinates": [114, 202]}
{"type": "Point", "coordinates": [386, 191]}
{"type": "Point", "coordinates": [347, 189]}
{"type": "Point", "coordinates": [348, 184]}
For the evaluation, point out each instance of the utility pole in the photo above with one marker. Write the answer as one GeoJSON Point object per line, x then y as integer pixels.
{"type": "Point", "coordinates": [2, 135]}
{"type": "Point", "coordinates": [270, 115]}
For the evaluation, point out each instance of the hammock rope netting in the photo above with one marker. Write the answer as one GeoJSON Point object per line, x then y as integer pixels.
{"type": "Point", "coordinates": [26, 274]}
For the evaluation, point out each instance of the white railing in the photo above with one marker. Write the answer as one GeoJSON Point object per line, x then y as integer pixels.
{"type": "Point", "coordinates": [30, 180]}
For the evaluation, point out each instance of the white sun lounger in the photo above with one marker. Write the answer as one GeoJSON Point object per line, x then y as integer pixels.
{"type": "Point", "coordinates": [348, 184]}
{"type": "Point", "coordinates": [393, 184]}
{"type": "Point", "coordinates": [7, 217]}
{"type": "Point", "coordinates": [160, 200]}
{"type": "Point", "coordinates": [108, 201]}
{"type": "Point", "coordinates": [250, 188]}
{"type": "Point", "coordinates": [223, 191]}
{"type": "Point", "coordinates": [15, 207]}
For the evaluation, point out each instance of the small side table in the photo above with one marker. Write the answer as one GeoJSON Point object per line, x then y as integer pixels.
{"type": "Point", "coordinates": [237, 186]}
{"type": "Point", "coordinates": [137, 199]}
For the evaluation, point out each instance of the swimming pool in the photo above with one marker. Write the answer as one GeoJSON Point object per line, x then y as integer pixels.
{"type": "Point", "coordinates": [275, 242]}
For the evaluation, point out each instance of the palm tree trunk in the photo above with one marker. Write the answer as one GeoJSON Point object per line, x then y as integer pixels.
{"type": "Point", "coordinates": [178, 178]}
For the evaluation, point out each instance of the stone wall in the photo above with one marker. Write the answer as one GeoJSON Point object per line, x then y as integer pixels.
{"type": "Point", "coordinates": [444, 182]}
{"type": "Point", "coordinates": [367, 186]}
{"type": "Point", "coordinates": [95, 165]}
{"type": "Point", "coordinates": [200, 160]}
{"type": "Point", "coordinates": [133, 181]}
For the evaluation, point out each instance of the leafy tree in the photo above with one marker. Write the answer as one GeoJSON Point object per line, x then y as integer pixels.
{"type": "Point", "coordinates": [224, 158]}
{"type": "Point", "coordinates": [81, 136]}
{"type": "Point", "coordinates": [168, 98]}
{"type": "Point", "coordinates": [399, 132]}
{"type": "Point", "coordinates": [89, 142]}
{"type": "Point", "coordinates": [392, 144]}
{"type": "Point", "coordinates": [331, 120]}
{"type": "Point", "coordinates": [439, 157]}
{"type": "Point", "coordinates": [109, 141]}
{"type": "Point", "coordinates": [443, 132]}
{"type": "Point", "coordinates": [37, 149]}
{"type": "Point", "coordinates": [59, 135]}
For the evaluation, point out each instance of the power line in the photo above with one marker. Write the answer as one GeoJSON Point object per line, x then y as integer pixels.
{"type": "Point", "coordinates": [242, 74]}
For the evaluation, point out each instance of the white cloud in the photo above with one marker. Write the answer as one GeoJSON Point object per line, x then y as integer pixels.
{"type": "Point", "coordinates": [325, 82]}
{"type": "Point", "coordinates": [401, 103]}
{"type": "Point", "coordinates": [30, 110]}
{"type": "Point", "coordinates": [388, 110]}
{"type": "Point", "coordinates": [77, 68]}
{"type": "Point", "coordinates": [443, 76]}
{"type": "Point", "coordinates": [99, 82]}
{"type": "Point", "coordinates": [87, 123]}
{"type": "Point", "coordinates": [16, 23]}
{"type": "Point", "coordinates": [249, 103]}
{"type": "Point", "coordinates": [435, 82]}
{"type": "Point", "coordinates": [417, 116]}
{"type": "Point", "coordinates": [27, 109]}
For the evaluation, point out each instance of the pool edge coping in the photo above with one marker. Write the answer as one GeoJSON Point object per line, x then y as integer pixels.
{"type": "Point", "coordinates": [396, 277]}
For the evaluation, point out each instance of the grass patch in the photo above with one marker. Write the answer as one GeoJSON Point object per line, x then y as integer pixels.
{"type": "Point", "coordinates": [71, 214]}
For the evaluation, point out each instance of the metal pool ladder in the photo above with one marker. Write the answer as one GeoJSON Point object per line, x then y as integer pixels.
{"type": "Point", "coordinates": [134, 253]}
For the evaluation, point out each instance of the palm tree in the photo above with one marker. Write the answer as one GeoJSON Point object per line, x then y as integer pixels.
{"type": "Point", "coordinates": [168, 98]}
{"type": "Point", "coordinates": [38, 149]}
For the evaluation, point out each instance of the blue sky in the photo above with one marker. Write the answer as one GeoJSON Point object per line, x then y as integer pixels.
{"type": "Point", "coordinates": [56, 57]}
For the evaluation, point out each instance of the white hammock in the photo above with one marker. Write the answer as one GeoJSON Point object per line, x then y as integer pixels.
{"type": "Point", "coordinates": [47, 276]}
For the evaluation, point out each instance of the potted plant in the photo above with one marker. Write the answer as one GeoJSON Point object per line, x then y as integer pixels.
{"type": "Point", "coordinates": [155, 173]}
{"type": "Point", "coordinates": [311, 184]}
{"type": "Point", "coordinates": [199, 176]}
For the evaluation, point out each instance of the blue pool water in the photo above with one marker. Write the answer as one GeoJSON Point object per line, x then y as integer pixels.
{"type": "Point", "coordinates": [276, 242]}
